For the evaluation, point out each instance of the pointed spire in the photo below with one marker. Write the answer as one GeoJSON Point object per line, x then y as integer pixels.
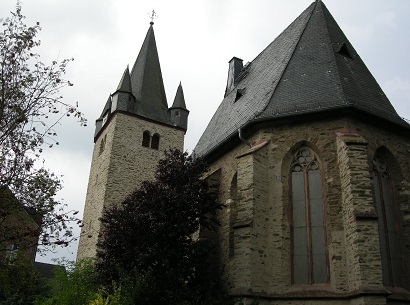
{"type": "Point", "coordinates": [99, 123]}
{"type": "Point", "coordinates": [107, 106]}
{"type": "Point", "coordinates": [125, 82]}
{"type": "Point", "coordinates": [178, 114]}
{"type": "Point", "coordinates": [179, 101]}
{"type": "Point", "coordinates": [146, 81]}
{"type": "Point", "coordinates": [142, 92]}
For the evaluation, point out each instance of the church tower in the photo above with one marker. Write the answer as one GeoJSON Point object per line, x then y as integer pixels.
{"type": "Point", "coordinates": [134, 129]}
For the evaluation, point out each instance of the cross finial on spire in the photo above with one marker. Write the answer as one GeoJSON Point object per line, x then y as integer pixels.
{"type": "Point", "coordinates": [152, 15]}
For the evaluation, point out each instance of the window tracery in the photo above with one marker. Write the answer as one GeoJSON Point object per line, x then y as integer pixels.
{"type": "Point", "coordinates": [309, 252]}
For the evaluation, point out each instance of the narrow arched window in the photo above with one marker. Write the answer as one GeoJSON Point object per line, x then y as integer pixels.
{"type": "Point", "coordinates": [232, 214]}
{"type": "Point", "coordinates": [309, 254]}
{"type": "Point", "coordinates": [102, 144]}
{"type": "Point", "coordinates": [146, 138]}
{"type": "Point", "coordinates": [155, 141]}
{"type": "Point", "coordinates": [389, 229]}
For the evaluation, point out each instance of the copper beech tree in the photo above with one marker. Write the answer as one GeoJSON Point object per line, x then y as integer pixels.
{"type": "Point", "coordinates": [157, 233]}
{"type": "Point", "coordinates": [30, 106]}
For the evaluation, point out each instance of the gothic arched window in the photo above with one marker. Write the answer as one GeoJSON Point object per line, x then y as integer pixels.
{"type": "Point", "coordinates": [309, 255]}
{"type": "Point", "coordinates": [389, 229]}
{"type": "Point", "coordinates": [146, 138]}
{"type": "Point", "coordinates": [232, 214]}
{"type": "Point", "coordinates": [155, 141]}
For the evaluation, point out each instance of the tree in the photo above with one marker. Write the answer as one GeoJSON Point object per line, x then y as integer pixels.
{"type": "Point", "coordinates": [30, 107]}
{"type": "Point", "coordinates": [154, 233]}
{"type": "Point", "coordinates": [73, 285]}
{"type": "Point", "coordinates": [20, 283]}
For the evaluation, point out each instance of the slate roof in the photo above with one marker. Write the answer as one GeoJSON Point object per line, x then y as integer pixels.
{"type": "Point", "coordinates": [107, 106]}
{"type": "Point", "coordinates": [310, 67]}
{"type": "Point", "coordinates": [125, 82]}
{"type": "Point", "coordinates": [144, 84]}
{"type": "Point", "coordinates": [146, 81]}
{"type": "Point", "coordinates": [179, 101]}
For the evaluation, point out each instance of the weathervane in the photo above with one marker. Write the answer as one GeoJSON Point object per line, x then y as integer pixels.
{"type": "Point", "coordinates": [152, 15]}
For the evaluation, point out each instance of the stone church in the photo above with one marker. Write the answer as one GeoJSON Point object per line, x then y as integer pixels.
{"type": "Point", "coordinates": [311, 159]}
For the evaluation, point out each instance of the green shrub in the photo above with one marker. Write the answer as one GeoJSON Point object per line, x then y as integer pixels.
{"type": "Point", "coordinates": [74, 286]}
{"type": "Point", "coordinates": [20, 283]}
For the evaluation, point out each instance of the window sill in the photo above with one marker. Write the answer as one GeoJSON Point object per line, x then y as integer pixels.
{"type": "Point", "coordinates": [319, 291]}
{"type": "Point", "coordinates": [398, 294]}
{"type": "Point", "coordinates": [303, 288]}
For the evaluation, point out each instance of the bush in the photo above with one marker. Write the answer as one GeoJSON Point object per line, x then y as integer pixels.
{"type": "Point", "coordinates": [74, 285]}
{"type": "Point", "coordinates": [20, 283]}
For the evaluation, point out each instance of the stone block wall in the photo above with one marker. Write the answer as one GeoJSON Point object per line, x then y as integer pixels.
{"type": "Point", "coordinates": [119, 164]}
{"type": "Point", "coordinates": [260, 264]}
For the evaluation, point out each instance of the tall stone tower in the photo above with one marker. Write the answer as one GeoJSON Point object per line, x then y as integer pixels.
{"type": "Point", "coordinates": [134, 129]}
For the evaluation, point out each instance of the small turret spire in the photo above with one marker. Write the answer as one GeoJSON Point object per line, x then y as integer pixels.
{"type": "Point", "coordinates": [178, 113]}
{"type": "Point", "coordinates": [125, 82]}
{"type": "Point", "coordinates": [179, 101]}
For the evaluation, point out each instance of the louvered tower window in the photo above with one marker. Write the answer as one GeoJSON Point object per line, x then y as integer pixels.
{"type": "Point", "coordinates": [155, 141]}
{"type": "Point", "coordinates": [309, 253]}
{"type": "Point", "coordinates": [146, 138]}
{"type": "Point", "coordinates": [389, 228]}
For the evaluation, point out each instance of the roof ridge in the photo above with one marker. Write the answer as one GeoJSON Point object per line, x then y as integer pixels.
{"type": "Point", "coordinates": [330, 39]}
{"type": "Point", "coordinates": [234, 112]}
{"type": "Point", "coordinates": [291, 56]}
{"type": "Point", "coordinates": [140, 60]}
{"type": "Point", "coordinates": [260, 53]}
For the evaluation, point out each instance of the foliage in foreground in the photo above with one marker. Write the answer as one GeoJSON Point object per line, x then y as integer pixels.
{"type": "Point", "coordinates": [79, 286]}
{"type": "Point", "coordinates": [154, 234]}
{"type": "Point", "coordinates": [151, 252]}
{"type": "Point", "coordinates": [74, 285]}
{"type": "Point", "coordinates": [20, 283]}
{"type": "Point", "coordinates": [30, 106]}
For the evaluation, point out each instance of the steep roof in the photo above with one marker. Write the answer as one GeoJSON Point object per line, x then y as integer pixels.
{"type": "Point", "coordinates": [309, 68]}
{"type": "Point", "coordinates": [125, 82]}
{"type": "Point", "coordinates": [144, 84]}
{"type": "Point", "coordinates": [107, 107]}
{"type": "Point", "coordinates": [146, 81]}
{"type": "Point", "coordinates": [179, 101]}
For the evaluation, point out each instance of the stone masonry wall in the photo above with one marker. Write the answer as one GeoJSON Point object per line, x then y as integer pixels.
{"type": "Point", "coordinates": [359, 216]}
{"type": "Point", "coordinates": [260, 263]}
{"type": "Point", "coordinates": [119, 168]}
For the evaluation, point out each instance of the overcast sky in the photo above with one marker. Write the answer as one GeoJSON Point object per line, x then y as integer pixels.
{"type": "Point", "coordinates": [195, 41]}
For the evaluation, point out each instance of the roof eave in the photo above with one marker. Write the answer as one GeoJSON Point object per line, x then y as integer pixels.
{"type": "Point", "coordinates": [97, 135]}
{"type": "Point", "coordinates": [233, 140]}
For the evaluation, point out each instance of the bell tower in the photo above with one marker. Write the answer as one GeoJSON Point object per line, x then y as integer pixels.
{"type": "Point", "coordinates": [131, 134]}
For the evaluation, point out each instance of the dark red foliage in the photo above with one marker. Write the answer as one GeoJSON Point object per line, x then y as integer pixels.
{"type": "Point", "coordinates": [154, 229]}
